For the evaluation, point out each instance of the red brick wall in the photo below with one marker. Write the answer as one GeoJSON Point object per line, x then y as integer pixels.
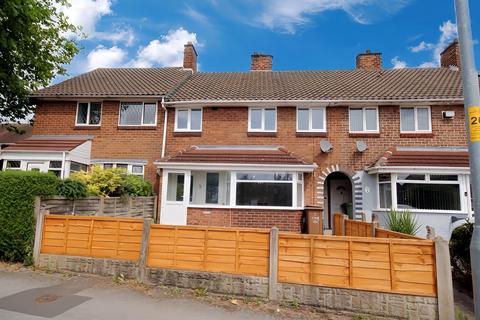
{"type": "Point", "coordinates": [285, 220]}
{"type": "Point", "coordinates": [110, 141]}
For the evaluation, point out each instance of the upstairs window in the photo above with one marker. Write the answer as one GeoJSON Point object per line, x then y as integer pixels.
{"type": "Point", "coordinates": [363, 119]}
{"type": "Point", "coordinates": [188, 119]}
{"type": "Point", "coordinates": [415, 119]}
{"type": "Point", "coordinates": [89, 113]}
{"type": "Point", "coordinates": [262, 119]}
{"type": "Point", "coordinates": [311, 119]}
{"type": "Point", "coordinates": [138, 114]}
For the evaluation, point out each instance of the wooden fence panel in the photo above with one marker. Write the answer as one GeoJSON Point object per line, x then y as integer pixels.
{"type": "Point", "coordinates": [236, 251]}
{"type": "Point", "coordinates": [384, 233]}
{"type": "Point", "coordinates": [387, 265]}
{"type": "Point", "coordinates": [92, 236]}
{"type": "Point", "coordinates": [355, 228]}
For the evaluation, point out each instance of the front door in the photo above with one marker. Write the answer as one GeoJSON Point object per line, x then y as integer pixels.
{"type": "Point", "coordinates": [175, 197]}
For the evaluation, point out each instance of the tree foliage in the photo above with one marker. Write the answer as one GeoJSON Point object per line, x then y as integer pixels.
{"type": "Point", "coordinates": [34, 47]}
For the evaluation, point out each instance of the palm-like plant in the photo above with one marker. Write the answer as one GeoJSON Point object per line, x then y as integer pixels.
{"type": "Point", "coordinates": [402, 221]}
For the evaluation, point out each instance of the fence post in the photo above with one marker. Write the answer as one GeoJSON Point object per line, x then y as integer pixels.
{"type": "Point", "coordinates": [344, 222]}
{"type": "Point", "coordinates": [446, 309]}
{"type": "Point", "coordinates": [39, 218]}
{"type": "Point", "coordinates": [273, 271]}
{"type": "Point", "coordinates": [374, 225]}
{"type": "Point", "coordinates": [101, 206]}
{"type": "Point", "coordinates": [155, 215]}
{"type": "Point", "coordinates": [142, 261]}
{"type": "Point", "coordinates": [430, 233]}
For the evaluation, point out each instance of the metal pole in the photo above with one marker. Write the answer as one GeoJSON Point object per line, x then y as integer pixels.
{"type": "Point", "coordinates": [472, 113]}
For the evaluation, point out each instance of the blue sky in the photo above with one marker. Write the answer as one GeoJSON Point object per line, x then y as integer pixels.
{"type": "Point", "coordinates": [300, 34]}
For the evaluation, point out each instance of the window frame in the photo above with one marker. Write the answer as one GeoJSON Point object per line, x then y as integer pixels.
{"type": "Point", "coordinates": [415, 119]}
{"type": "Point", "coordinates": [129, 167]}
{"type": "Point", "coordinates": [461, 182]}
{"type": "Point", "coordinates": [262, 129]}
{"type": "Point", "coordinates": [143, 113]}
{"type": "Point", "coordinates": [87, 124]}
{"type": "Point", "coordinates": [310, 119]}
{"type": "Point", "coordinates": [189, 119]}
{"type": "Point", "coordinates": [364, 120]}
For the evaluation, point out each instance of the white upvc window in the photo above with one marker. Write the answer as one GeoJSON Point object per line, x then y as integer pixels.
{"type": "Point", "coordinates": [311, 119]}
{"type": "Point", "coordinates": [136, 169]}
{"type": "Point", "coordinates": [262, 119]}
{"type": "Point", "coordinates": [13, 165]}
{"type": "Point", "coordinates": [88, 114]}
{"type": "Point", "coordinates": [363, 120]}
{"type": "Point", "coordinates": [188, 119]}
{"type": "Point", "coordinates": [138, 114]}
{"type": "Point", "coordinates": [423, 192]}
{"type": "Point", "coordinates": [415, 119]}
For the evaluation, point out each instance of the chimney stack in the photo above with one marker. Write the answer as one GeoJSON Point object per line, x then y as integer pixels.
{"type": "Point", "coordinates": [451, 55]}
{"type": "Point", "coordinates": [190, 57]}
{"type": "Point", "coordinates": [369, 61]}
{"type": "Point", "coordinates": [261, 62]}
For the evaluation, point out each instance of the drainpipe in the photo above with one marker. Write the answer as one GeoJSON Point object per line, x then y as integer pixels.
{"type": "Point", "coordinates": [165, 118]}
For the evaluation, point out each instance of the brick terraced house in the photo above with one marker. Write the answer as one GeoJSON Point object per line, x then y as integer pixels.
{"type": "Point", "coordinates": [253, 149]}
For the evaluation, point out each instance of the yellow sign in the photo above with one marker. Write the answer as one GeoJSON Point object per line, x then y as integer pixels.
{"type": "Point", "coordinates": [474, 123]}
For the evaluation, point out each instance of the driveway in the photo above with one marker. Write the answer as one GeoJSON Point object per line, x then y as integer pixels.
{"type": "Point", "coordinates": [25, 294]}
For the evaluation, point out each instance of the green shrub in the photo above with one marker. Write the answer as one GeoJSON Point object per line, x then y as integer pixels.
{"type": "Point", "coordinates": [101, 182]}
{"type": "Point", "coordinates": [460, 254]}
{"type": "Point", "coordinates": [17, 222]}
{"type": "Point", "coordinates": [72, 189]}
{"type": "Point", "coordinates": [136, 186]}
{"type": "Point", "coordinates": [402, 221]}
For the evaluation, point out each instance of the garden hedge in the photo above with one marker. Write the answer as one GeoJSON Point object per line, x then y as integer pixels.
{"type": "Point", "coordinates": [17, 222]}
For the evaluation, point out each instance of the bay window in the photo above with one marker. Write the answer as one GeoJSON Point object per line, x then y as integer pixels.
{"type": "Point", "coordinates": [246, 189]}
{"type": "Point", "coordinates": [439, 192]}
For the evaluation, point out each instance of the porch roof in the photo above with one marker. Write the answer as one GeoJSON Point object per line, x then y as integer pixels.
{"type": "Point", "coordinates": [46, 144]}
{"type": "Point", "coordinates": [423, 157]}
{"type": "Point", "coordinates": [236, 155]}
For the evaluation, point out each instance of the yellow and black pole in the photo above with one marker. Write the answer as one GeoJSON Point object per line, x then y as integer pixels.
{"type": "Point", "coordinates": [471, 94]}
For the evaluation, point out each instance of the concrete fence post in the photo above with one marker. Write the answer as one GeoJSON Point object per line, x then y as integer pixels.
{"type": "Point", "coordinates": [446, 307]}
{"type": "Point", "coordinates": [101, 206]}
{"type": "Point", "coordinates": [430, 233]}
{"type": "Point", "coordinates": [374, 225]}
{"type": "Point", "coordinates": [142, 261]}
{"type": "Point", "coordinates": [39, 219]}
{"type": "Point", "coordinates": [273, 270]}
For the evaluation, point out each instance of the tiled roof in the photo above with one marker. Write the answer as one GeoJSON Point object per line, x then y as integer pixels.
{"type": "Point", "coordinates": [424, 158]}
{"type": "Point", "coordinates": [110, 82]}
{"type": "Point", "coordinates": [239, 155]}
{"type": "Point", "coordinates": [45, 144]}
{"type": "Point", "coordinates": [387, 84]}
{"type": "Point", "coordinates": [7, 136]}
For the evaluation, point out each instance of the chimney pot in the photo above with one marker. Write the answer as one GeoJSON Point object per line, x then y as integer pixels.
{"type": "Point", "coordinates": [261, 62]}
{"type": "Point", "coordinates": [369, 60]}
{"type": "Point", "coordinates": [450, 57]}
{"type": "Point", "coordinates": [190, 57]}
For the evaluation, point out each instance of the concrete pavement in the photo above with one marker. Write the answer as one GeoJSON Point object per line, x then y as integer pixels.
{"type": "Point", "coordinates": [28, 295]}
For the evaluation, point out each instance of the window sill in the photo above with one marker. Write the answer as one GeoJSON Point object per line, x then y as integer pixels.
{"type": "Point", "coordinates": [364, 135]}
{"type": "Point", "coordinates": [137, 127]}
{"type": "Point", "coordinates": [416, 135]}
{"type": "Point", "coordinates": [261, 134]}
{"type": "Point", "coordinates": [311, 134]}
{"type": "Point", "coordinates": [86, 127]}
{"type": "Point", "coordinates": [187, 134]}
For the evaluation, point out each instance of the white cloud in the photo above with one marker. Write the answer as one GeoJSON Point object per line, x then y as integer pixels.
{"type": "Point", "coordinates": [422, 46]}
{"type": "Point", "coordinates": [166, 51]}
{"type": "Point", "coordinates": [288, 15]}
{"type": "Point", "coordinates": [196, 15]}
{"type": "Point", "coordinates": [102, 57]}
{"type": "Point", "coordinates": [448, 33]}
{"type": "Point", "coordinates": [397, 63]}
{"type": "Point", "coordinates": [86, 14]}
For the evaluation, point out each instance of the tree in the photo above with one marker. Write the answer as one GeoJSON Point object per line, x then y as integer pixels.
{"type": "Point", "coordinates": [34, 47]}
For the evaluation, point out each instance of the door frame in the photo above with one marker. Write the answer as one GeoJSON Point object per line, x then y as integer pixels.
{"type": "Point", "coordinates": [328, 198]}
{"type": "Point", "coordinates": [179, 206]}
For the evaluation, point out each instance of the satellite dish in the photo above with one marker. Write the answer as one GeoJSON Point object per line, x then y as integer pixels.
{"type": "Point", "coordinates": [361, 146]}
{"type": "Point", "coordinates": [325, 146]}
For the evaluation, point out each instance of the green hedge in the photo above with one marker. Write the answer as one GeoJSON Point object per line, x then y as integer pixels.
{"type": "Point", "coordinates": [17, 222]}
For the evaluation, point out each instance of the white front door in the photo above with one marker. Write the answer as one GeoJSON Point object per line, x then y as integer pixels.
{"type": "Point", "coordinates": [36, 166]}
{"type": "Point", "coordinates": [175, 197]}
